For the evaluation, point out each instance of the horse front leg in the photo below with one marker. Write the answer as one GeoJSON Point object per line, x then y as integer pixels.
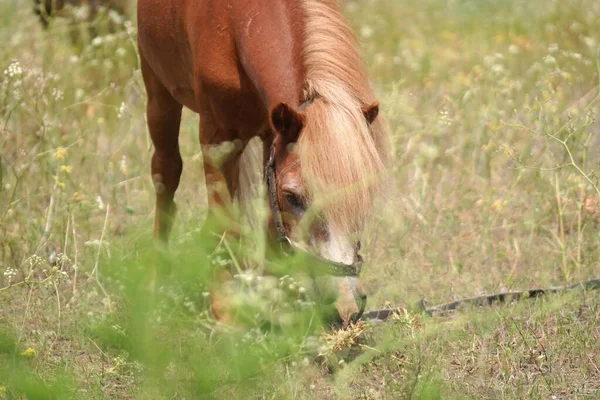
{"type": "Point", "coordinates": [163, 113]}
{"type": "Point", "coordinates": [221, 157]}
{"type": "Point", "coordinates": [222, 175]}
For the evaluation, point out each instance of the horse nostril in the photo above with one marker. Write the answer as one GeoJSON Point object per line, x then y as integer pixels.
{"type": "Point", "coordinates": [358, 246]}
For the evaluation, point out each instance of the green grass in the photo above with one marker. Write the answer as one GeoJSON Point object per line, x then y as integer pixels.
{"type": "Point", "coordinates": [492, 106]}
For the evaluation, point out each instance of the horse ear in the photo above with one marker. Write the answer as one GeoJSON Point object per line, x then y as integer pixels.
{"type": "Point", "coordinates": [287, 122]}
{"type": "Point", "coordinates": [370, 112]}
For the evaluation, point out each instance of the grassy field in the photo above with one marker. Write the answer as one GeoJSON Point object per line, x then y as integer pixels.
{"type": "Point", "coordinates": [492, 106]}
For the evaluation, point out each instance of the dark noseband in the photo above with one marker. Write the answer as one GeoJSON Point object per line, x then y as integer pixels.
{"type": "Point", "coordinates": [326, 267]}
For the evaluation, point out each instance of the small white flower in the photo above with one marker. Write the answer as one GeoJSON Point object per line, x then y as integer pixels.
{"type": "Point", "coordinates": [121, 111]}
{"type": "Point", "coordinates": [123, 165]}
{"type": "Point", "coordinates": [10, 273]}
{"type": "Point", "coordinates": [14, 70]}
{"type": "Point", "coordinates": [553, 48]}
{"type": "Point", "coordinates": [366, 31]}
{"type": "Point", "coordinates": [445, 118]}
{"type": "Point", "coordinates": [35, 261]}
{"type": "Point", "coordinates": [97, 41]}
{"type": "Point", "coordinates": [549, 60]}
{"type": "Point", "coordinates": [101, 204]}
{"type": "Point", "coordinates": [115, 17]}
{"type": "Point", "coordinates": [497, 68]}
{"type": "Point", "coordinates": [81, 13]}
{"type": "Point", "coordinates": [57, 94]}
{"type": "Point", "coordinates": [379, 58]}
{"type": "Point", "coordinates": [513, 49]}
{"type": "Point", "coordinates": [589, 41]}
{"type": "Point", "coordinates": [129, 27]}
{"type": "Point", "coordinates": [79, 93]}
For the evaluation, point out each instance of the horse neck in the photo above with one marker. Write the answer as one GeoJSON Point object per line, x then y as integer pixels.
{"type": "Point", "coordinates": [270, 45]}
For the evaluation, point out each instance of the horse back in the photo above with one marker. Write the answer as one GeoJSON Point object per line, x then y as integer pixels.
{"type": "Point", "coordinates": [229, 63]}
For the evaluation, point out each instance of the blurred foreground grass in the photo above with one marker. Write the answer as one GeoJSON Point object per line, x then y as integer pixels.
{"type": "Point", "coordinates": [492, 106]}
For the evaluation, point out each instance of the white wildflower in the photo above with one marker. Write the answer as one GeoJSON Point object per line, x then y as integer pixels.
{"type": "Point", "coordinates": [13, 70]}
{"type": "Point", "coordinates": [123, 164]}
{"type": "Point", "coordinates": [589, 42]}
{"type": "Point", "coordinates": [445, 118]}
{"type": "Point", "coordinates": [10, 273]}
{"type": "Point", "coordinates": [100, 202]}
{"type": "Point", "coordinates": [82, 13]}
{"type": "Point", "coordinates": [115, 17]}
{"type": "Point", "coordinates": [35, 261]}
{"type": "Point", "coordinates": [366, 31]}
{"type": "Point", "coordinates": [129, 27]}
{"type": "Point", "coordinates": [79, 93]}
{"type": "Point", "coordinates": [57, 94]}
{"type": "Point", "coordinates": [498, 68]}
{"type": "Point", "coordinates": [121, 111]}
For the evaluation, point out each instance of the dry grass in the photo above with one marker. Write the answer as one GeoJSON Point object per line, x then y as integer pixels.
{"type": "Point", "coordinates": [492, 107]}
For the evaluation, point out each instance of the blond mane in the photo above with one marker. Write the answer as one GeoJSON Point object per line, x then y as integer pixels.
{"type": "Point", "coordinates": [342, 157]}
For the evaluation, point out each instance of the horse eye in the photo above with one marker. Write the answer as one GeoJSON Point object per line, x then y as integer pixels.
{"type": "Point", "coordinates": [294, 200]}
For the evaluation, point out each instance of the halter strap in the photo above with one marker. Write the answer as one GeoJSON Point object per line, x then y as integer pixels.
{"type": "Point", "coordinates": [316, 262]}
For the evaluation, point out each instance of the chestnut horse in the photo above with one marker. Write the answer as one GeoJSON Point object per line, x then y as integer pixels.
{"type": "Point", "coordinates": [289, 72]}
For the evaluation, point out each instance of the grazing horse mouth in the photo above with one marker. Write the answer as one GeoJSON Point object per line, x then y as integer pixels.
{"type": "Point", "coordinates": [314, 264]}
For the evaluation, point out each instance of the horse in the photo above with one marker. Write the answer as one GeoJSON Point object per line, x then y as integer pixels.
{"type": "Point", "coordinates": [290, 73]}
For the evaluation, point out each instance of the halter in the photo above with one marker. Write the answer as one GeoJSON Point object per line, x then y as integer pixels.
{"type": "Point", "coordinates": [315, 262]}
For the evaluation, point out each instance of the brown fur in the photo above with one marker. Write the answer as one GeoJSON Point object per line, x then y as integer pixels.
{"type": "Point", "coordinates": [245, 67]}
